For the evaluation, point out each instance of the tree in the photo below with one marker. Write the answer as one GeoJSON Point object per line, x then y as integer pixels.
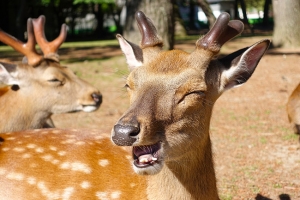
{"type": "Point", "coordinates": [160, 12]}
{"type": "Point", "coordinates": [207, 11]}
{"type": "Point", "coordinates": [286, 23]}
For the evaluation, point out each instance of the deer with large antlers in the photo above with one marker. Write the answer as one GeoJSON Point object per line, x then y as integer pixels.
{"type": "Point", "coordinates": [172, 94]}
{"type": "Point", "coordinates": [40, 86]}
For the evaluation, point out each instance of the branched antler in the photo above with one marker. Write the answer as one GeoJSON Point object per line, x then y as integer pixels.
{"type": "Point", "coordinates": [49, 48]}
{"type": "Point", "coordinates": [27, 49]}
{"type": "Point", "coordinates": [35, 31]}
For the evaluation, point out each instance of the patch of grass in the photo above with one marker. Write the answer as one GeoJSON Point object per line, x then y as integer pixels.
{"type": "Point", "coordinates": [97, 43]}
{"type": "Point", "coordinates": [226, 197]}
{"type": "Point", "coordinates": [263, 140]}
{"type": "Point", "coordinates": [277, 185]}
{"type": "Point", "coordinates": [290, 136]}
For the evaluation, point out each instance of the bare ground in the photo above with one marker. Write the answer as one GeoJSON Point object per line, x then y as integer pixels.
{"type": "Point", "coordinates": [257, 156]}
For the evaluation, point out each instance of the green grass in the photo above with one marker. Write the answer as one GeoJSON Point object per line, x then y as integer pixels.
{"type": "Point", "coordinates": [97, 43]}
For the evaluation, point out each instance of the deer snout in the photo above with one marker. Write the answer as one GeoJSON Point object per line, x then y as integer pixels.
{"type": "Point", "coordinates": [97, 97]}
{"type": "Point", "coordinates": [125, 135]}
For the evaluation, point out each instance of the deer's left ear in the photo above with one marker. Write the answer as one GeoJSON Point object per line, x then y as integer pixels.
{"type": "Point", "coordinates": [132, 52]}
{"type": "Point", "coordinates": [240, 65]}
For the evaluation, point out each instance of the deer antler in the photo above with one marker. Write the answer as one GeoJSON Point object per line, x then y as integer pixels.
{"type": "Point", "coordinates": [28, 49]}
{"type": "Point", "coordinates": [222, 31]}
{"type": "Point", "coordinates": [49, 48]}
{"type": "Point", "coordinates": [150, 37]}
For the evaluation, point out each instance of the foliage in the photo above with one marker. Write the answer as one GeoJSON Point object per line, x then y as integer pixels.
{"type": "Point", "coordinates": [93, 1]}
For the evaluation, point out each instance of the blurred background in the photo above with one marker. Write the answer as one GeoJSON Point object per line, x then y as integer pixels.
{"type": "Point", "coordinates": [102, 19]}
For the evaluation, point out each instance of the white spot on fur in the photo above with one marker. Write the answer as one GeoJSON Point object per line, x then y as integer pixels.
{"type": "Point", "coordinates": [5, 149]}
{"type": "Point", "coordinates": [39, 150]}
{"type": "Point", "coordinates": [53, 148]}
{"type": "Point", "coordinates": [67, 193]}
{"type": "Point", "coordinates": [55, 161]}
{"type": "Point", "coordinates": [56, 131]}
{"type": "Point", "coordinates": [128, 157]}
{"type": "Point", "coordinates": [103, 162]}
{"type": "Point", "coordinates": [26, 155]}
{"type": "Point", "coordinates": [76, 166]}
{"type": "Point", "coordinates": [69, 141]}
{"type": "Point", "coordinates": [18, 149]}
{"type": "Point", "coordinates": [80, 143]}
{"type": "Point", "coordinates": [31, 146]}
{"type": "Point", "coordinates": [10, 138]}
{"type": "Point", "coordinates": [47, 157]}
{"type": "Point", "coordinates": [85, 184]}
{"type": "Point", "coordinates": [102, 195]}
{"type": "Point", "coordinates": [115, 195]}
{"type": "Point", "coordinates": [31, 180]}
{"type": "Point", "coordinates": [132, 185]}
{"type": "Point", "coordinates": [15, 176]}
{"type": "Point", "coordinates": [62, 153]}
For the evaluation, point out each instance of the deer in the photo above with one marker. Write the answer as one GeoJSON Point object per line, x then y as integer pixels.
{"type": "Point", "coordinates": [40, 86]}
{"type": "Point", "coordinates": [292, 108]}
{"type": "Point", "coordinates": [159, 149]}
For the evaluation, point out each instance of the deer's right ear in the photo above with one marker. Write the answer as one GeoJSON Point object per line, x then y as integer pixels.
{"type": "Point", "coordinates": [5, 77]}
{"type": "Point", "coordinates": [132, 52]}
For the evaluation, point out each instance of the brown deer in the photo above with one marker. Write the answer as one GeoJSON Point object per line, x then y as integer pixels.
{"type": "Point", "coordinates": [172, 94]}
{"type": "Point", "coordinates": [293, 109]}
{"type": "Point", "coordinates": [41, 86]}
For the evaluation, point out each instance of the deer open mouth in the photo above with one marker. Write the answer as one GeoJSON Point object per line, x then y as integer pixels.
{"type": "Point", "coordinates": [145, 156]}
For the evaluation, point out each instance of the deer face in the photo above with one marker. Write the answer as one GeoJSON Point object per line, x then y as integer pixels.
{"type": "Point", "coordinates": [172, 93]}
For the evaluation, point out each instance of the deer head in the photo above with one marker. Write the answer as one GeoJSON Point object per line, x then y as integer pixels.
{"type": "Point", "coordinates": [40, 86]}
{"type": "Point", "coordinates": [172, 94]}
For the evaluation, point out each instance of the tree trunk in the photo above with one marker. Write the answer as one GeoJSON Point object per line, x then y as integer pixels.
{"type": "Point", "coordinates": [286, 23]}
{"type": "Point", "coordinates": [160, 12]}
{"type": "Point", "coordinates": [266, 12]}
{"type": "Point", "coordinates": [207, 11]}
{"type": "Point", "coordinates": [244, 10]}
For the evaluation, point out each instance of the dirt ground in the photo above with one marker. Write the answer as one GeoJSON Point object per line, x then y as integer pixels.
{"type": "Point", "coordinates": [256, 154]}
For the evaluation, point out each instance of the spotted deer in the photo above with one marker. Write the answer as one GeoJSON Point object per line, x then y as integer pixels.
{"type": "Point", "coordinates": [163, 147]}
{"type": "Point", "coordinates": [293, 109]}
{"type": "Point", "coordinates": [40, 86]}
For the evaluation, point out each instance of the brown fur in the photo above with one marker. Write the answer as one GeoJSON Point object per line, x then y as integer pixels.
{"type": "Point", "coordinates": [293, 108]}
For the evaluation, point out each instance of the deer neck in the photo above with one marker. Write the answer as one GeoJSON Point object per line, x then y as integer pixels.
{"type": "Point", "coordinates": [21, 114]}
{"type": "Point", "coordinates": [191, 177]}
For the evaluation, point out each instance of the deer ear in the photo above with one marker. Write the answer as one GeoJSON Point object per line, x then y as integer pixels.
{"type": "Point", "coordinates": [132, 52]}
{"type": "Point", "coordinates": [240, 65]}
{"type": "Point", "coordinates": [5, 77]}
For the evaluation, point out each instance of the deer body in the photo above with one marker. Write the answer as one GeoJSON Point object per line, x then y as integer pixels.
{"type": "Point", "coordinates": [40, 87]}
{"type": "Point", "coordinates": [172, 94]}
{"type": "Point", "coordinates": [293, 109]}
{"type": "Point", "coordinates": [68, 164]}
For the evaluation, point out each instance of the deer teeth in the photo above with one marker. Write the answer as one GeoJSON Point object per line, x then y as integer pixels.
{"type": "Point", "coordinates": [143, 160]}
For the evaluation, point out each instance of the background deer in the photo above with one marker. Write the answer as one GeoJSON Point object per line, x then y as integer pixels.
{"type": "Point", "coordinates": [41, 86]}
{"type": "Point", "coordinates": [172, 94]}
{"type": "Point", "coordinates": [293, 109]}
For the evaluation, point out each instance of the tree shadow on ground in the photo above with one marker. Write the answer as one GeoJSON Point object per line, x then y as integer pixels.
{"type": "Point", "coordinates": [281, 197]}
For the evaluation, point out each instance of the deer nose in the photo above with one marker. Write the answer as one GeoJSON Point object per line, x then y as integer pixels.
{"type": "Point", "coordinates": [125, 135]}
{"type": "Point", "coordinates": [97, 97]}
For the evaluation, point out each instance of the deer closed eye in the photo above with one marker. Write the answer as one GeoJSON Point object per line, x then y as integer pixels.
{"type": "Point", "coordinates": [194, 94]}
{"type": "Point", "coordinates": [56, 81]}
